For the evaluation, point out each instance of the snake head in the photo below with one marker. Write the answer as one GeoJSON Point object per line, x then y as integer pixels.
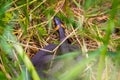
{"type": "Point", "coordinates": [58, 23]}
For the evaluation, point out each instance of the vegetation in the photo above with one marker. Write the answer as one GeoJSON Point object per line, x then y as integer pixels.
{"type": "Point", "coordinates": [26, 26]}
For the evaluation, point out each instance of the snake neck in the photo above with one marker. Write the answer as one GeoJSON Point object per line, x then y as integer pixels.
{"type": "Point", "coordinates": [64, 45]}
{"type": "Point", "coordinates": [61, 34]}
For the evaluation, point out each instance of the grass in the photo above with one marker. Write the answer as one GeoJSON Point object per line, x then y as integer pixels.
{"type": "Point", "coordinates": [27, 26]}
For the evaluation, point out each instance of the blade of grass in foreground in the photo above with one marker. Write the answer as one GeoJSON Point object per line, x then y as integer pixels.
{"type": "Point", "coordinates": [11, 40]}
{"type": "Point", "coordinates": [78, 68]}
{"type": "Point", "coordinates": [109, 30]}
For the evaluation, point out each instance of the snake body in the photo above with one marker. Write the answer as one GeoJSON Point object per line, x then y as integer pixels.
{"type": "Point", "coordinates": [42, 58]}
